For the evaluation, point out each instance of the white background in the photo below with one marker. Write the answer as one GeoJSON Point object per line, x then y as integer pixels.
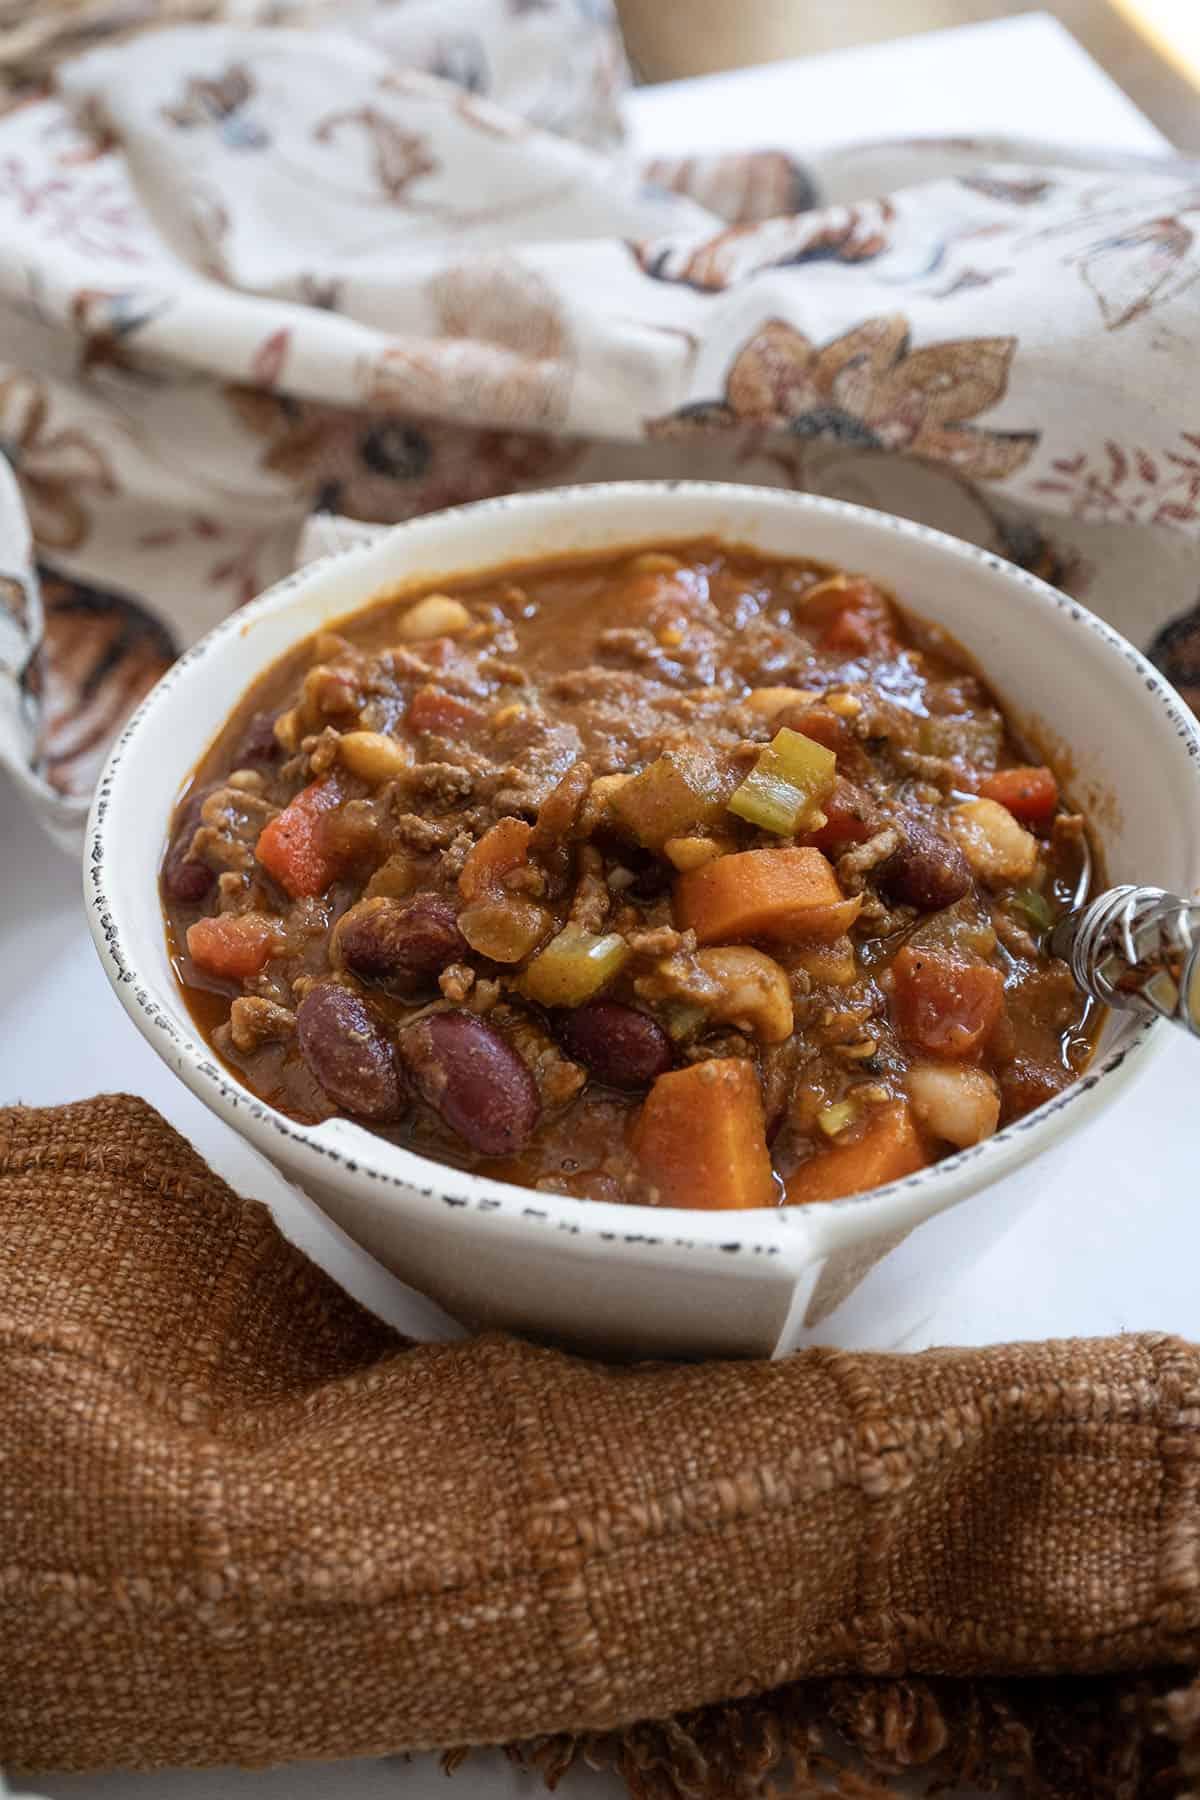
{"type": "Point", "coordinates": [1115, 1251]}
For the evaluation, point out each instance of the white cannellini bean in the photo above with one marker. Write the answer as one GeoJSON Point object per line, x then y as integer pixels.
{"type": "Point", "coordinates": [596, 807]}
{"type": "Point", "coordinates": [753, 994]}
{"type": "Point", "coordinates": [767, 701]}
{"type": "Point", "coordinates": [693, 852]}
{"type": "Point", "coordinates": [954, 1101]}
{"type": "Point", "coordinates": [997, 848]}
{"type": "Point", "coordinates": [372, 755]}
{"type": "Point", "coordinates": [437, 615]}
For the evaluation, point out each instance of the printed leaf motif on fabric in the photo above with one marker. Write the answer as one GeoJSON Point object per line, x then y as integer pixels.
{"type": "Point", "coordinates": [244, 558]}
{"type": "Point", "coordinates": [970, 278]}
{"type": "Point", "coordinates": [1018, 190]}
{"type": "Point", "coordinates": [1119, 484]}
{"type": "Point", "coordinates": [88, 135]}
{"type": "Point", "coordinates": [381, 467]}
{"type": "Point", "coordinates": [1176, 651]}
{"type": "Point", "coordinates": [494, 121]}
{"type": "Point", "coordinates": [500, 352]}
{"type": "Point", "coordinates": [83, 211]}
{"type": "Point", "coordinates": [337, 459]}
{"type": "Point", "coordinates": [472, 107]}
{"type": "Point", "coordinates": [266, 365]}
{"type": "Point", "coordinates": [1138, 269]}
{"type": "Point", "coordinates": [741, 187]}
{"type": "Point", "coordinates": [221, 101]}
{"type": "Point", "coordinates": [845, 234]}
{"type": "Point", "coordinates": [101, 652]}
{"type": "Point", "coordinates": [870, 388]}
{"type": "Point", "coordinates": [56, 468]}
{"type": "Point", "coordinates": [107, 320]}
{"type": "Point", "coordinates": [399, 157]}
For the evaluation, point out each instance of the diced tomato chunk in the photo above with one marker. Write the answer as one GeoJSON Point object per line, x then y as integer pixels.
{"type": "Point", "coordinates": [944, 1004]}
{"type": "Point", "coordinates": [820, 724]}
{"type": "Point", "coordinates": [848, 819]}
{"type": "Point", "coordinates": [232, 946]}
{"type": "Point", "coordinates": [292, 846]}
{"type": "Point", "coordinates": [1030, 794]}
{"type": "Point", "coordinates": [432, 709]}
{"type": "Point", "coordinates": [852, 616]}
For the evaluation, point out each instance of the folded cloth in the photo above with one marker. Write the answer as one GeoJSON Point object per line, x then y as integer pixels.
{"type": "Point", "coordinates": [243, 1521]}
{"type": "Point", "coordinates": [379, 259]}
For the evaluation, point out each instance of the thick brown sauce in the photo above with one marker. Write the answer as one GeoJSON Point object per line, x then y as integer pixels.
{"type": "Point", "coordinates": [610, 659]}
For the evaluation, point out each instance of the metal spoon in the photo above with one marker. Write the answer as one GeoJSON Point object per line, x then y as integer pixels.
{"type": "Point", "coordinates": [1133, 948]}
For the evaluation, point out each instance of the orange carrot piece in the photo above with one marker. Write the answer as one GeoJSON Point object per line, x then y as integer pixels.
{"type": "Point", "coordinates": [944, 1005]}
{"type": "Point", "coordinates": [789, 893]}
{"type": "Point", "coordinates": [1030, 794]}
{"type": "Point", "coordinates": [232, 946]}
{"type": "Point", "coordinates": [886, 1149]}
{"type": "Point", "coordinates": [290, 848]}
{"type": "Point", "coordinates": [701, 1139]}
{"type": "Point", "coordinates": [433, 709]}
{"type": "Point", "coordinates": [501, 849]}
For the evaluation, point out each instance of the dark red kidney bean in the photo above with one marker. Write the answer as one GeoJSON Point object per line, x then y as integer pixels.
{"type": "Point", "coordinates": [349, 1053]}
{"type": "Point", "coordinates": [405, 946]}
{"type": "Point", "coordinates": [474, 1079]}
{"type": "Point", "coordinates": [259, 744]}
{"type": "Point", "coordinates": [928, 871]}
{"type": "Point", "coordinates": [185, 879]}
{"type": "Point", "coordinates": [617, 1044]}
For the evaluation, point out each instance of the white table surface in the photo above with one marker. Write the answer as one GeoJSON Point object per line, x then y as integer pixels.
{"type": "Point", "coordinates": [1093, 1260]}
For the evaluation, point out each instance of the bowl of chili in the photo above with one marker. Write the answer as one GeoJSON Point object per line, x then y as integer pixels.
{"type": "Point", "coordinates": [622, 908]}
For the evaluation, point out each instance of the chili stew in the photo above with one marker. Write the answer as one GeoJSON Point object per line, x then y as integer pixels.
{"type": "Point", "coordinates": [683, 876]}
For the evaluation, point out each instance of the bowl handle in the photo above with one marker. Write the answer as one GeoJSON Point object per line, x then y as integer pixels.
{"type": "Point", "coordinates": [831, 1225]}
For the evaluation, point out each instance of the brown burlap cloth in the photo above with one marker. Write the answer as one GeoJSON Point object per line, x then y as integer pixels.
{"type": "Point", "coordinates": [241, 1520]}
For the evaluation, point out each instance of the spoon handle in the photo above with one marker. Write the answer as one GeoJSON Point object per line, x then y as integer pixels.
{"type": "Point", "coordinates": [1137, 949]}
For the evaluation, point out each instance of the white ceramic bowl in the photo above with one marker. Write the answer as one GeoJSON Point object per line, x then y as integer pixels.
{"type": "Point", "coordinates": [861, 1271]}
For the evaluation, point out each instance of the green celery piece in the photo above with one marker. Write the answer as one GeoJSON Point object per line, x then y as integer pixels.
{"type": "Point", "coordinates": [784, 790]}
{"type": "Point", "coordinates": [574, 966]}
{"type": "Point", "coordinates": [1036, 907]}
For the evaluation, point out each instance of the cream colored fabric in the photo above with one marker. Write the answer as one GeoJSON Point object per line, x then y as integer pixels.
{"type": "Point", "coordinates": [379, 259]}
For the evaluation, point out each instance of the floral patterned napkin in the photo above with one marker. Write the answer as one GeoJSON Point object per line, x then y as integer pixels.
{"type": "Point", "coordinates": [378, 266]}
